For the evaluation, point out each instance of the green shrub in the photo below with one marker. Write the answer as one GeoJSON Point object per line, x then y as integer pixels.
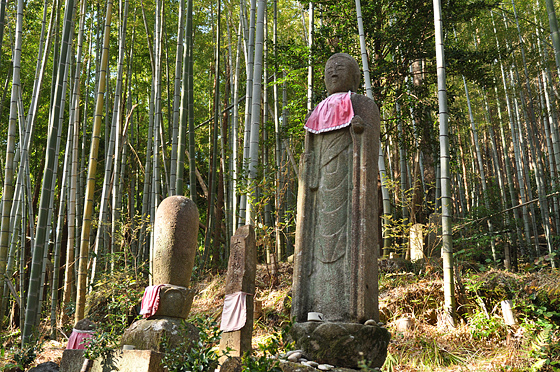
{"type": "Point", "coordinates": [203, 356]}
{"type": "Point", "coordinates": [23, 356]}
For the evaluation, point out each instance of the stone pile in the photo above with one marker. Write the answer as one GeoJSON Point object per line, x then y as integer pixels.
{"type": "Point", "coordinates": [297, 360]}
{"type": "Point", "coordinates": [297, 356]}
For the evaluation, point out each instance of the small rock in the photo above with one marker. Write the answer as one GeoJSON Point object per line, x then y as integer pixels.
{"type": "Point", "coordinates": [294, 357]}
{"type": "Point", "coordinates": [302, 360]}
{"type": "Point", "coordinates": [45, 367]}
{"type": "Point", "coordinates": [325, 367]}
{"type": "Point", "coordinates": [381, 324]}
{"type": "Point", "coordinates": [12, 369]}
{"type": "Point", "coordinates": [312, 364]}
{"type": "Point", "coordinates": [292, 352]}
{"type": "Point", "coordinates": [404, 324]}
{"type": "Point", "coordinates": [370, 322]}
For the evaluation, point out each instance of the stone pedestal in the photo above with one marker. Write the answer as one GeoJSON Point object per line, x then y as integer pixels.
{"type": "Point", "coordinates": [120, 360]}
{"type": "Point", "coordinates": [342, 344]}
{"type": "Point", "coordinates": [148, 334]}
{"type": "Point", "coordinates": [174, 301]}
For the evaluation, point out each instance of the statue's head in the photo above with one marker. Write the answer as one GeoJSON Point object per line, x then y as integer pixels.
{"type": "Point", "coordinates": [85, 325]}
{"type": "Point", "coordinates": [342, 73]}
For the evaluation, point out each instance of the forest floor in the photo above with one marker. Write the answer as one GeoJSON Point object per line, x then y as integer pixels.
{"type": "Point", "coordinates": [410, 300]}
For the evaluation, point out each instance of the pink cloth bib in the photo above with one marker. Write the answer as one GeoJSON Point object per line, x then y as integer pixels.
{"type": "Point", "coordinates": [234, 315]}
{"type": "Point", "coordinates": [334, 112]}
{"type": "Point", "coordinates": [150, 300]}
{"type": "Point", "coordinates": [78, 339]}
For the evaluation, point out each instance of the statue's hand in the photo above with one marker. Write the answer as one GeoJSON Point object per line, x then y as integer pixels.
{"type": "Point", "coordinates": [357, 124]}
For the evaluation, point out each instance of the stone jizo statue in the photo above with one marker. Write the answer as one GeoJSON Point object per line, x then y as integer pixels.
{"type": "Point", "coordinates": [335, 270]}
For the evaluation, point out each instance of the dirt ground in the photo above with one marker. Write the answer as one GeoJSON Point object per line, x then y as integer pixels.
{"type": "Point", "coordinates": [427, 344]}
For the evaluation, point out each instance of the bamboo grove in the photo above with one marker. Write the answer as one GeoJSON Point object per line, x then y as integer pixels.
{"type": "Point", "coordinates": [109, 107]}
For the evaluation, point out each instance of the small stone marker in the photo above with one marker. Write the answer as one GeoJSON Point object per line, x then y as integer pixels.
{"type": "Point", "coordinates": [240, 278]}
{"type": "Point", "coordinates": [507, 311]}
{"type": "Point", "coordinates": [120, 360]}
{"type": "Point", "coordinates": [416, 242]}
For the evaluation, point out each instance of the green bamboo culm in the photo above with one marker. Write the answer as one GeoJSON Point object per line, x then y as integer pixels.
{"type": "Point", "coordinates": [92, 169]}
{"type": "Point", "coordinates": [446, 200]}
{"type": "Point", "coordinates": [46, 190]}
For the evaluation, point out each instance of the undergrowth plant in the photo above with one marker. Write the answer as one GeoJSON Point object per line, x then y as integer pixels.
{"type": "Point", "coordinates": [540, 321]}
{"type": "Point", "coordinates": [486, 326]}
{"type": "Point", "coordinates": [261, 363]}
{"type": "Point", "coordinates": [423, 352]}
{"type": "Point", "coordinates": [545, 350]}
{"type": "Point", "coordinates": [391, 362]}
{"type": "Point", "coordinates": [111, 305]}
{"type": "Point", "coordinates": [278, 341]}
{"type": "Point", "coordinates": [201, 356]}
{"type": "Point", "coordinates": [23, 356]}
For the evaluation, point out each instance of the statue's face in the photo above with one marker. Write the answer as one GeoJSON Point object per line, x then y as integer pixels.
{"type": "Point", "coordinates": [340, 75]}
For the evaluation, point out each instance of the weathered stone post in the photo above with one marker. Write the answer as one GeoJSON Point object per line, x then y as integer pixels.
{"type": "Point", "coordinates": [416, 242]}
{"type": "Point", "coordinates": [240, 286]}
{"type": "Point", "coordinates": [176, 231]}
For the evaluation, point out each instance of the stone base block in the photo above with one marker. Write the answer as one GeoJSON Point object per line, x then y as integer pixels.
{"type": "Point", "coordinates": [174, 301]}
{"type": "Point", "coordinates": [149, 334]}
{"type": "Point", "coordinates": [342, 344]}
{"type": "Point", "coordinates": [72, 361]}
{"type": "Point", "coordinates": [130, 361]}
{"type": "Point", "coordinates": [296, 367]}
{"type": "Point", "coordinates": [232, 365]}
{"type": "Point", "coordinates": [120, 360]}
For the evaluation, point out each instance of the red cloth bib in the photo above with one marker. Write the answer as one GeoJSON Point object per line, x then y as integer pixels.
{"type": "Point", "coordinates": [76, 340]}
{"type": "Point", "coordinates": [150, 300]}
{"type": "Point", "coordinates": [334, 112]}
